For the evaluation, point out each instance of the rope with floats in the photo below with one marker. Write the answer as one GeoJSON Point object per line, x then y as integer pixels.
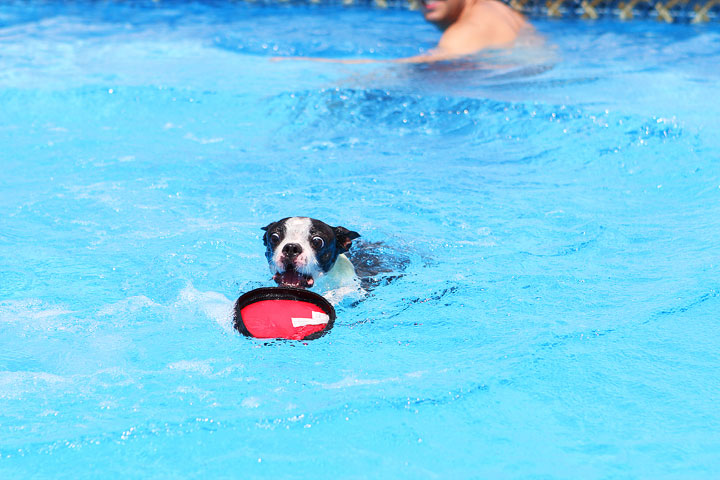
{"type": "Point", "coordinates": [668, 11]}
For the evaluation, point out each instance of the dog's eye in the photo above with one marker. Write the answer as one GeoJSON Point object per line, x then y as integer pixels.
{"type": "Point", "coordinates": [317, 243]}
{"type": "Point", "coordinates": [274, 239]}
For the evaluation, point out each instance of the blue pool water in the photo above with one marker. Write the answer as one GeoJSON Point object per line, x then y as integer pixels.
{"type": "Point", "coordinates": [559, 207]}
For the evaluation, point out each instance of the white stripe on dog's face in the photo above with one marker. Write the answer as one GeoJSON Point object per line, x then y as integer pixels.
{"type": "Point", "coordinates": [297, 230]}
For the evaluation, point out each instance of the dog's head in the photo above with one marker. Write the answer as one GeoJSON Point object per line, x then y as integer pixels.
{"type": "Point", "coordinates": [300, 249]}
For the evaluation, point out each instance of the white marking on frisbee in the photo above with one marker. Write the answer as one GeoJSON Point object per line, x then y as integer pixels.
{"type": "Point", "coordinates": [318, 318]}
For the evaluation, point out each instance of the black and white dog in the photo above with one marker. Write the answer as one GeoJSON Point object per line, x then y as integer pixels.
{"type": "Point", "coordinates": [302, 250]}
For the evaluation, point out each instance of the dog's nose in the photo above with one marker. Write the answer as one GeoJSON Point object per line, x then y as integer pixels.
{"type": "Point", "coordinates": [292, 250]}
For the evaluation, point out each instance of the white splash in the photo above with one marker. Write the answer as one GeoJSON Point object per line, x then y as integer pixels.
{"type": "Point", "coordinates": [29, 311]}
{"type": "Point", "coordinates": [211, 304]}
{"type": "Point", "coordinates": [130, 304]}
{"type": "Point", "coordinates": [202, 367]}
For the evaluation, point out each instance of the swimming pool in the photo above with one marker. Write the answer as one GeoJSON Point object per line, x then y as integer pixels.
{"type": "Point", "coordinates": [558, 206]}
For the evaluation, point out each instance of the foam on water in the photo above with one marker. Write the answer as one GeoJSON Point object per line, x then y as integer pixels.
{"type": "Point", "coordinates": [213, 305]}
{"type": "Point", "coordinates": [548, 218]}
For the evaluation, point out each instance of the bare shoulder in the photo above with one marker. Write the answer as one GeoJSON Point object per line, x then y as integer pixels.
{"type": "Point", "coordinates": [494, 7]}
{"type": "Point", "coordinates": [487, 24]}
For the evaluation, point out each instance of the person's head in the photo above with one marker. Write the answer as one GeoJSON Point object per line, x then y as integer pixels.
{"type": "Point", "coordinates": [443, 13]}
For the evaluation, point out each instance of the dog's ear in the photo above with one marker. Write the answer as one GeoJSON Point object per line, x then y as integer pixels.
{"type": "Point", "coordinates": [344, 238]}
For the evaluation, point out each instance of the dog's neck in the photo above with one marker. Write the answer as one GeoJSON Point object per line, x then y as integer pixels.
{"type": "Point", "coordinates": [342, 272]}
{"type": "Point", "coordinates": [340, 281]}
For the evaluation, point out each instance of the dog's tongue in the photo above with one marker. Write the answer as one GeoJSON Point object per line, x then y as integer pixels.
{"type": "Point", "coordinates": [293, 278]}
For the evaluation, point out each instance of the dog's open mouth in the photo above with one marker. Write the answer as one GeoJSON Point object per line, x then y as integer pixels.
{"type": "Point", "coordinates": [292, 278]}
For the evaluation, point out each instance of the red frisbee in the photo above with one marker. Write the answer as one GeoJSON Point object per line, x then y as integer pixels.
{"type": "Point", "coordinates": [283, 312]}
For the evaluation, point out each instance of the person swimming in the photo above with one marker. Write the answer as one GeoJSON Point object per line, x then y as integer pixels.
{"type": "Point", "coordinates": [469, 26]}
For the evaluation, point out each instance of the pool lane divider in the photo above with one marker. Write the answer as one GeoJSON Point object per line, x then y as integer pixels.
{"type": "Point", "coordinates": [669, 11]}
{"type": "Point", "coordinates": [283, 312]}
